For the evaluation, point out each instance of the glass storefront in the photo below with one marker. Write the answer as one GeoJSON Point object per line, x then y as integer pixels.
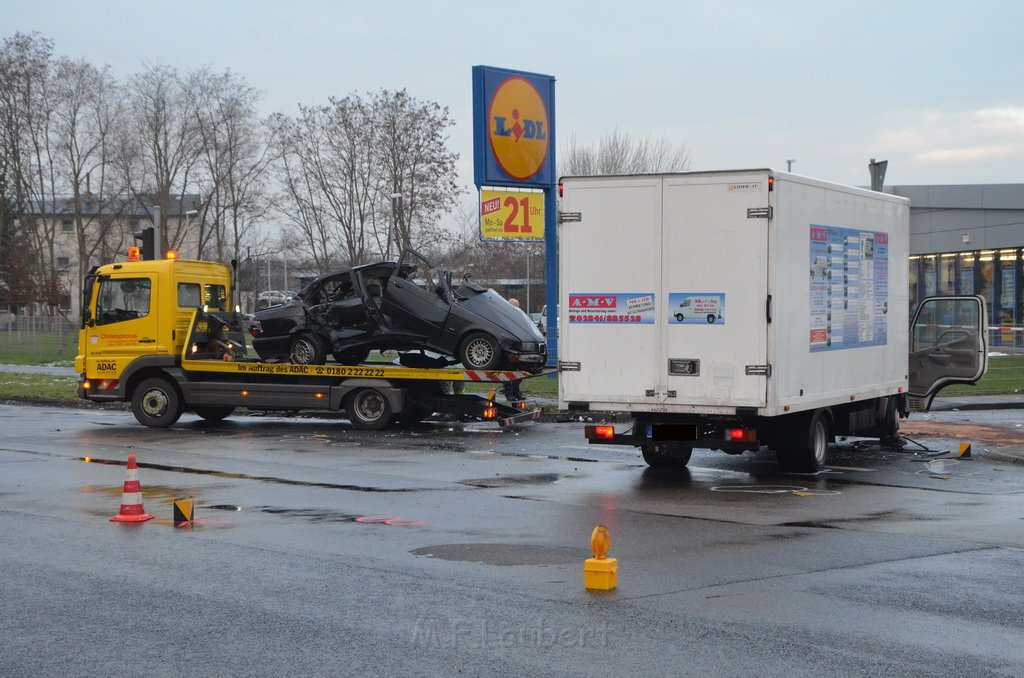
{"type": "Point", "coordinates": [996, 275]}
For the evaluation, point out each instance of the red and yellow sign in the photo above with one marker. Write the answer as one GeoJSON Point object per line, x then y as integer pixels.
{"type": "Point", "coordinates": [518, 128]}
{"type": "Point", "coordinates": [511, 215]}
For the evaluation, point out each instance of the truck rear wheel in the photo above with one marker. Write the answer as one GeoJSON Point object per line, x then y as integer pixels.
{"type": "Point", "coordinates": [806, 451]}
{"type": "Point", "coordinates": [156, 403]}
{"type": "Point", "coordinates": [213, 413]}
{"type": "Point", "coordinates": [368, 409]}
{"type": "Point", "coordinates": [666, 455]}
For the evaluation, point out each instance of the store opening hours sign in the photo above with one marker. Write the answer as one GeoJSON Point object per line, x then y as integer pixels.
{"type": "Point", "coordinates": [511, 214]}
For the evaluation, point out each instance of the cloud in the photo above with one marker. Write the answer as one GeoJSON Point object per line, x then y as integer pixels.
{"type": "Point", "coordinates": [979, 136]}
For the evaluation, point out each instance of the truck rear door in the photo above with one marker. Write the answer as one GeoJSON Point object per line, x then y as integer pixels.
{"type": "Point", "coordinates": [715, 281]}
{"type": "Point", "coordinates": [610, 267]}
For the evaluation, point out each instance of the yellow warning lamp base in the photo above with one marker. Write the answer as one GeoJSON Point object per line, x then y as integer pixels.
{"type": "Point", "coordinates": [601, 574]}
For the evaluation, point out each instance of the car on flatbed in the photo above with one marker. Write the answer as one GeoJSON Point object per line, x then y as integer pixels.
{"type": "Point", "coordinates": [407, 305]}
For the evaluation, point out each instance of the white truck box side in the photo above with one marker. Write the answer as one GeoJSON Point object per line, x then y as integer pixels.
{"type": "Point", "coordinates": [805, 379]}
{"type": "Point", "coordinates": [706, 237]}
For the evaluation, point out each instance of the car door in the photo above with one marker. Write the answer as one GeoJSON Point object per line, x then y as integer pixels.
{"type": "Point", "coordinates": [341, 311]}
{"type": "Point", "coordinates": [415, 303]}
{"type": "Point", "coordinates": [948, 345]}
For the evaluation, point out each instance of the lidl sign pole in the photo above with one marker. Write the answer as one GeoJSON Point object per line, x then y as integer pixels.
{"type": "Point", "coordinates": [514, 148]}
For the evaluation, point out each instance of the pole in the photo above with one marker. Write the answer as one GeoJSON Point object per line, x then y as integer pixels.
{"type": "Point", "coordinates": [158, 239]}
{"type": "Point", "coordinates": [528, 280]}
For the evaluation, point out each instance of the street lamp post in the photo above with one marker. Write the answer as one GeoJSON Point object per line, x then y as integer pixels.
{"type": "Point", "coordinates": [396, 211]}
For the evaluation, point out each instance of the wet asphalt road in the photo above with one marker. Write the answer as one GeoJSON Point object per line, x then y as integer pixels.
{"type": "Point", "coordinates": [319, 550]}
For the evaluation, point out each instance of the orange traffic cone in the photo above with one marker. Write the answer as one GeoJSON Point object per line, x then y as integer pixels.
{"type": "Point", "coordinates": [131, 497]}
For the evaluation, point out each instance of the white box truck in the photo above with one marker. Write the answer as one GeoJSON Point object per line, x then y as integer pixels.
{"type": "Point", "coordinates": [802, 333]}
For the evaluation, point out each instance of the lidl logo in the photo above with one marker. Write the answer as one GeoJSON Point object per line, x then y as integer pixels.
{"type": "Point", "coordinates": [518, 128]}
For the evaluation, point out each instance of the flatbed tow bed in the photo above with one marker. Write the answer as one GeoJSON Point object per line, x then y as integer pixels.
{"type": "Point", "coordinates": [212, 377]}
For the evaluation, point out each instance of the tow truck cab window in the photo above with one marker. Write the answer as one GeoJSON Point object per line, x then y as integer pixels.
{"type": "Point", "coordinates": [194, 295]}
{"type": "Point", "coordinates": [122, 299]}
{"type": "Point", "coordinates": [190, 295]}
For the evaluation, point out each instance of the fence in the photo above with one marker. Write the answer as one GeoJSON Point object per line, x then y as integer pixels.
{"type": "Point", "coordinates": [37, 339]}
{"type": "Point", "coordinates": [29, 340]}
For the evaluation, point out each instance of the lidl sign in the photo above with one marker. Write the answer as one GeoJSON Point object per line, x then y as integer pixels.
{"type": "Point", "coordinates": [514, 131]}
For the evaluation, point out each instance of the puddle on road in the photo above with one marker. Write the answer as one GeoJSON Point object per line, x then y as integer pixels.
{"type": "Point", "coordinates": [514, 480]}
{"type": "Point", "coordinates": [245, 476]}
{"type": "Point", "coordinates": [504, 554]}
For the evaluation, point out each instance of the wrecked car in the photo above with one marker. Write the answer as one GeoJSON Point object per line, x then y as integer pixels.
{"type": "Point", "coordinates": [403, 306]}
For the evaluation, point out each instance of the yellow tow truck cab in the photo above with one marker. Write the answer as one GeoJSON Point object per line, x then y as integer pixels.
{"type": "Point", "coordinates": [162, 335]}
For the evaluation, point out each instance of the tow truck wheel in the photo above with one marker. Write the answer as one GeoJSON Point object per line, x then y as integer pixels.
{"type": "Point", "coordinates": [307, 349]}
{"type": "Point", "coordinates": [480, 352]}
{"type": "Point", "coordinates": [666, 455]}
{"type": "Point", "coordinates": [156, 403]}
{"type": "Point", "coordinates": [212, 413]}
{"type": "Point", "coordinates": [711, 317]}
{"type": "Point", "coordinates": [368, 409]}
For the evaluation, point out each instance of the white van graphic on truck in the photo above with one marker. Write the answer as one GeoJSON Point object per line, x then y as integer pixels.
{"type": "Point", "coordinates": [688, 308]}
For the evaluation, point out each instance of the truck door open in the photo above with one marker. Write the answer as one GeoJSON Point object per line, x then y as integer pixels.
{"type": "Point", "coordinates": [948, 345]}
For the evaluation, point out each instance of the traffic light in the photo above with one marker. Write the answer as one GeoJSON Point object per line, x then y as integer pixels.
{"type": "Point", "coordinates": [148, 249]}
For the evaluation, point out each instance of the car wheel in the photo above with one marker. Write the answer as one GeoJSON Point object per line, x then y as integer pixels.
{"type": "Point", "coordinates": [480, 352]}
{"type": "Point", "coordinates": [368, 409]}
{"type": "Point", "coordinates": [307, 349]}
{"type": "Point", "coordinates": [156, 403]}
{"type": "Point", "coordinates": [679, 317]}
{"type": "Point", "coordinates": [214, 413]}
{"type": "Point", "coordinates": [351, 357]}
{"type": "Point", "coordinates": [711, 317]}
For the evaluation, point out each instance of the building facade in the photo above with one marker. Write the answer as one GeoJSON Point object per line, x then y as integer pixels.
{"type": "Point", "coordinates": [969, 239]}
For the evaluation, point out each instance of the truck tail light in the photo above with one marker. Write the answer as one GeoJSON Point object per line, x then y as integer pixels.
{"type": "Point", "coordinates": [741, 435]}
{"type": "Point", "coordinates": [601, 432]}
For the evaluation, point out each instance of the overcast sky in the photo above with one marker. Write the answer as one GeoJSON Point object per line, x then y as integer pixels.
{"type": "Point", "coordinates": [936, 88]}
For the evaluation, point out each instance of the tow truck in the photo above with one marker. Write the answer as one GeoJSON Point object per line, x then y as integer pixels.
{"type": "Point", "coordinates": [163, 335]}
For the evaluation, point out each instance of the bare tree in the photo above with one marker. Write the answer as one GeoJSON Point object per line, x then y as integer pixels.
{"type": "Point", "coordinates": [86, 110]}
{"type": "Point", "coordinates": [620, 152]}
{"type": "Point", "coordinates": [414, 162]}
{"type": "Point", "coordinates": [234, 160]}
{"type": "Point", "coordinates": [301, 172]}
{"type": "Point", "coordinates": [341, 164]}
{"type": "Point", "coordinates": [161, 147]}
{"type": "Point", "coordinates": [26, 107]}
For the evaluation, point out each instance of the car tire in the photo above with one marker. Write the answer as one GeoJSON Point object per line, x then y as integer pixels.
{"type": "Point", "coordinates": [711, 317]}
{"type": "Point", "coordinates": [679, 317]}
{"type": "Point", "coordinates": [213, 413]}
{"type": "Point", "coordinates": [307, 349]}
{"type": "Point", "coordinates": [351, 357]}
{"type": "Point", "coordinates": [480, 351]}
{"type": "Point", "coordinates": [156, 403]}
{"type": "Point", "coordinates": [368, 409]}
